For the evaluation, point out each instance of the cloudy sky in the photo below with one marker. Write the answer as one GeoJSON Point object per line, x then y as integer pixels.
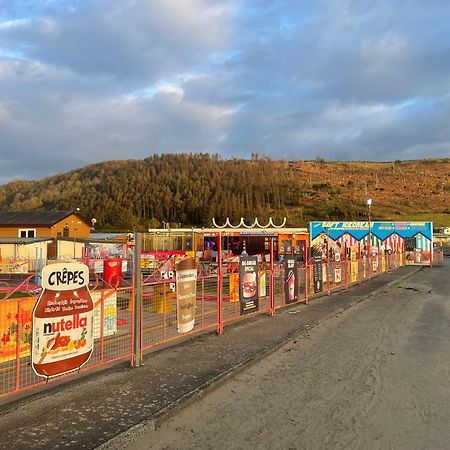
{"type": "Point", "coordinates": [83, 81]}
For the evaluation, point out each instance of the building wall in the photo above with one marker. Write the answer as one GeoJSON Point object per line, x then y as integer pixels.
{"type": "Point", "coordinates": [70, 250]}
{"type": "Point", "coordinates": [24, 251]}
{"type": "Point", "coordinates": [77, 228]}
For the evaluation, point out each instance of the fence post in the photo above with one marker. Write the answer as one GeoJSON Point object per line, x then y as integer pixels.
{"type": "Point", "coordinates": [219, 286]}
{"type": "Point", "coordinates": [307, 278]}
{"type": "Point", "coordinates": [137, 332]}
{"type": "Point", "coordinates": [272, 281]}
{"type": "Point", "coordinates": [18, 333]}
{"type": "Point", "coordinates": [327, 271]}
{"type": "Point", "coordinates": [346, 269]}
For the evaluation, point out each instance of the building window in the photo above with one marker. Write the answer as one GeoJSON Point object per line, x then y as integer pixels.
{"type": "Point", "coordinates": [27, 233]}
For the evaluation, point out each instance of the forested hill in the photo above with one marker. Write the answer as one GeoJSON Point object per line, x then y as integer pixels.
{"type": "Point", "coordinates": [192, 188]}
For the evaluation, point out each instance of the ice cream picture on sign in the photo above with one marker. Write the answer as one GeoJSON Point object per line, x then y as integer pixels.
{"type": "Point", "coordinates": [62, 320]}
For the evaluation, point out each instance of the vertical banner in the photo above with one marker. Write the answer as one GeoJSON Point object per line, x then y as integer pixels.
{"type": "Point", "coordinates": [337, 274]}
{"type": "Point", "coordinates": [234, 287]}
{"type": "Point", "coordinates": [353, 266]}
{"type": "Point", "coordinates": [317, 274]}
{"type": "Point", "coordinates": [15, 340]}
{"type": "Point", "coordinates": [290, 280]}
{"type": "Point", "coordinates": [186, 288]}
{"type": "Point", "coordinates": [262, 283]}
{"type": "Point", "coordinates": [337, 268]}
{"type": "Point", "coordinates": [383, 260]}
{"type": "Point", "coordinates": [374, 262]}
{"type": "Point", "coordinates": [248, 286]}
{"type": "Point", "coordinates": [109, 299]}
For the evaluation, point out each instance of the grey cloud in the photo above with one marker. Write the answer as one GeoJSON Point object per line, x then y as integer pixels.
{"type": "Point", "coordinates": [129, 39]}
{"type": "Point", "coordinates": [343, 79]}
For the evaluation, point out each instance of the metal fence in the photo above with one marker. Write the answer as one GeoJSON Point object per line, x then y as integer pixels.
{"type": "Point", "coordinates": [130, 321]}
{"type": "Point", "coordinates": [113, 330]}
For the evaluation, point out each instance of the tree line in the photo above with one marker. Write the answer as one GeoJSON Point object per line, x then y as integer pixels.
{"type": "Point", "coordinates": [188, 189]}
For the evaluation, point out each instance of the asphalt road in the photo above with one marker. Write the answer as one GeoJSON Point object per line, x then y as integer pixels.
{"type": "Point", "coordinates": [374, 377]}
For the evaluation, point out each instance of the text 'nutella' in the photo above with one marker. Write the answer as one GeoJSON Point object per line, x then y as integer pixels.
{"type": "Point", "coordinates": [62, 320]}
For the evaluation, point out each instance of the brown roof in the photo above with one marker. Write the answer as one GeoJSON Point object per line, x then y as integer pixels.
{"type": "Point", "coordinates": [36, 218]}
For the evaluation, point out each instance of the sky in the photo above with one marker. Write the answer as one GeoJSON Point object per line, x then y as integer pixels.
{"type": "Point", "coordinates": [83, 81]}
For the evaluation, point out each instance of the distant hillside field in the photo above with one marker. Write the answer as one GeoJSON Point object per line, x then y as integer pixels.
{"type": "Point", "coordinates": [192, 188]}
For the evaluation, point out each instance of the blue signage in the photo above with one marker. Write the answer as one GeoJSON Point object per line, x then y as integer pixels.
{"type": "Point", "coordinates": [381, 230]}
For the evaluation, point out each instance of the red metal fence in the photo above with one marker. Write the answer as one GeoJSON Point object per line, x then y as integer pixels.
{"type": "Point", "coordinates": [217, 304]}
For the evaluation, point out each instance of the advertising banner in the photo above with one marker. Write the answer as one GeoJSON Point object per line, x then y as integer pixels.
{"type": "Point", "coordinates": [11, 265]}
{"type": "Point", "coordinates": [381, 230]}
{"type": "Point", "coordinates": [337, 274]}
{"type": "Point", "coordinates": [62, 338]}
{"type": "Point", "coordinates": [317, 274]}
{"type": "Point", "coordinates": [234, 287]}
{"type": "Point", "coordinates": [248, 286]}
{"type": "Point", "coordinates": [186, 289]}
{"type": "Point", "coordinates": [14, 336]}
{"type": "Point", "coordinates": [262, 283]}
{"type": "Point", "coordinates": [353, 266]}
{"type": "Point", "coordinates": [290, 281]}
{"type": "Point", "coordinates": [148, 261]}
{"type": "Point", "coordinates": [109, 299]}
{"type": "Point", "coordinates": [102, 250]}
{"type": "Point", "coordinates": [364, 265]}
{"type": "Point", "coordinates": [383, 260]}
{"type": "Point", "coordinates": [375, 263]}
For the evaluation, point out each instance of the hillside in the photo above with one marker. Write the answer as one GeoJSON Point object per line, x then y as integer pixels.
{"type": "Point", "coordinates": [191, 188]}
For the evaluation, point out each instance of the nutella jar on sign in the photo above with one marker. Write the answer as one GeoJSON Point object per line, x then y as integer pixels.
{"type": "Point", "coordinates": [62, 320]}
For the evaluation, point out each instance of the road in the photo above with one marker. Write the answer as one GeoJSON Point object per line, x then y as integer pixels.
{"type": "Point", "coordinates": [374, 377]}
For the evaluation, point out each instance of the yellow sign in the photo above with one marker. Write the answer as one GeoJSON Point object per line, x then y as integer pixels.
{"type": "Point", "coordinates": [354, 266]}
{"type": "Point", "coordinates": [234, 287]}
{"type": "Point", "coordinates": [262, 283]}
{"type": "Point", "coordinates": [15, 328]}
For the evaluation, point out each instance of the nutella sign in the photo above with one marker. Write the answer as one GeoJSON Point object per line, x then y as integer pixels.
{"type": "Point", "coordinates": [62, 320]}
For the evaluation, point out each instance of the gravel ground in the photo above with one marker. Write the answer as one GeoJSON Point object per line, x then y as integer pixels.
{"type": "Point", "coordinates": [374, 377]}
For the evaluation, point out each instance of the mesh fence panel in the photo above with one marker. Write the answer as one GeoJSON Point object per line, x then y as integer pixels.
{"type": "Point", "coordinates": [112, 337]}
{"type": "Point", "coordinates": [114, 311]}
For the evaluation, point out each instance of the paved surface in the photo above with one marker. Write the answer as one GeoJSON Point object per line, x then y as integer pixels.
{"type": "Point", "coordinates": [95, 411]}
{"type": "Point", "coordinates": [375, 377]}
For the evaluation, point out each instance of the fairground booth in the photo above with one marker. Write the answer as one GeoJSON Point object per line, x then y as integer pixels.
{"type": "Point", "coordinates": [375, 238]}
{"type": "Point", "coordinates": [203, 243]}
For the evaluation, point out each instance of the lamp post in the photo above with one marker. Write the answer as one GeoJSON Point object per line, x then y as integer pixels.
{"type": "Point", "coordinates": [369, 204]}
{"type": "Point", "coordinates": [327, 259]}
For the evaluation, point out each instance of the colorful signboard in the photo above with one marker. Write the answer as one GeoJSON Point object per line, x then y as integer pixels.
{"type": "Point", "coordinates": [317, 274]}
{"type": "Point", "coordinates": [262, 283]}
{"type": "Point", "coordinates": [109, 299]}
{"type": "Point", "coordinates": [248, 285]}
{"type": "Point", "coordinates": [102, 250]}
{"type": "Point", "coordinates": [337, 274]}
{"type": "Point", "coordinates": [62, 338]}
{"type": "Point", "coordinates": [353, 266]}
{"type": "Point", "coordinates": [382, 230]}
{"type": "Point", "coordinates": [186, 289]}
{"type": "Point", "coordinates": [290, 280]}
{"type": "Point", "coordinates": [234, 287]}
{"type": "Point", "coordinates": [395, 237]}
{"type": "Point", "coordinates": [14, 265]}
{"type": "Point", "coordinates": [15, 328]}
